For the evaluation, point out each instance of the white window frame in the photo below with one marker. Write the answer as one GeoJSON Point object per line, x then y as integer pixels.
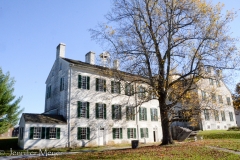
{"type": "Point", "coordinates": [84, 82]}
{"type": "Point", "coordinates": [130, 113]}
{"type": "Point", "coordinates": [52, 133]}
{"type": "Point", "coordinates": [83, 133]}
{"type": "Point", "coordinates": [132, 133]}
{"type": "Point", "coordinates": [101, 85]}
{"type": "Point", "coordinates": [83, 110]}
{"type": "Point", "coordinates": [37, 131]}
{"type": "Point", "coordinates": [220, 99]}
{"type": "Point", "coordinates": [100, 110]}
{"type": "Point", "coordinates": [117, 114]}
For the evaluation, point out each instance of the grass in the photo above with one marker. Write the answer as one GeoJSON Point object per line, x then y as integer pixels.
{"type": "Point", "coordinates": [220, 134]}
{"type": "Point", "coordinates": [184, 150]}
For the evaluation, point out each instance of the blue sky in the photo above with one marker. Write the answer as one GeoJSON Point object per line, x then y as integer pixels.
{"type": "Point", "coordinates": [31, 30]}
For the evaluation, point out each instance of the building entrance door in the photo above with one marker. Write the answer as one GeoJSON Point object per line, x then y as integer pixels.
{"type": "Point", "coordinates": [101, 137]}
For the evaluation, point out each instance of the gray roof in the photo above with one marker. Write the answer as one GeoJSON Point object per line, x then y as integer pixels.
{"type": "Point", "coordinates": [44, 118]}
{"type": "Point", "coordinates": [76, 62]}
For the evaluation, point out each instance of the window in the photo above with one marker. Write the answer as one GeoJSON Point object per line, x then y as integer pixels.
{"type": "Point", "coordinates": [129, 90]}
{"type": "Point", "coordinates": [206, 114]}
{"type": "Point", "coordinates": [220, 99]}
{"type": "Point", "coordinates": [100, 111]}
{"type": "Point", "coordinates": [52, 133]}
{"type": "Point", "coordinates": [83, 109]}
{"type": "Point", "coordinates": [214, 97]}
{"type": "Point", "coordinates": [130, 113]}
{"type": "Point", "coordinates": [131, 132]}
{"type": "Point", "coordinates": [21, 132]}
{"type": "Point", "coordinates": [117, 133]}
{"type": "Point", "coordinates": [154, 115]}
{"type": "Point", "coordinates": [83, 133]}
{"type": "Point", "coordinates": [211, 81]}
{"type": "Point", "coordinates": [44, 133]}
{"type": "Point", "coordinates": [49, 91]}
{"type": "Point", "coordinates": [216, 115]}
{"type": "Point", "coordinates": [62, 84]}
{"type": "Point", "coordinates": [223, 116]}
{"type": "Point", "coordinates": [142, 114]}
{"type": "Point", "coordinates": [231, 116]}
{"type": "Point", "coordinates": [204, 97]}
{"type": "Point", "coordinates": [218, 83]}
{"type": "Point", "coordinates": [228, 101]}
{"type": "Point", "coordinates": [115, 87]}
{"type": "Point", "coordinates": [83, 82]}
{"type": "Point", "coordinates": [37, 132]}
{"type": "Point", "coordinates": [100, 85]}
{"type": "Point", "coordinates": [141, 92]}
{"type": "Point", "coordinates": [116, 112]}
{"type": "Point", "coordinates": [144, 132]}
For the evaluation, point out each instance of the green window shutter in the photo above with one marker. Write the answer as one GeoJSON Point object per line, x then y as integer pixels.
{"type": "Point", "coordinates": [134, 132]}
{"type": "Point", "coordinates": [147, 132]}
{"type": "Point", "coordinates": [47, 133]}
{"type": "Point", "coordinates": [87, 109]}
{"type": "Point", "coordinates": [105, 86]}
{"type": "Point", "coordinates": [128, 132]}
{"type": "Point", "coordinates": [120, 111]}
{"type": "Point", "coordinates": [140, 113]}
{"type": "Point", "coordinates": [88, 83]}
{"type": "Point", "coordinates": [79, 108]}
{"type": "Point", "coordinates": [105, 111]}
{"type": "Point", "coordinates": [113, 112]}
{"type": "Point", "coordinates": [127, 113]}
{"type": "Point", "coordinates": [121, 133]}
{"type": "Point", "coordinates": [133, 114]}
{"type": "Point", "coordinates": [151, 110]}
{"type": "Point", "coordinates": [43, 133]}
{"type": "Point", "coordinates": [60, 84]}
{"type": "Point", "coordinates": [96, 108]}
{"type": "Point", "coordinates": [88, 133]}
{"type": "Point", "coordinates": [125, 88]}
{"type": "Point", "coordinates": [79, 133]}
{"type": "Point", "coordinates": [112, 86]}
{"type": "Point", "coordinates": [119, 89]}
{"type": "Point", "coordinates": [79, 81]}
{"type": "Point", "coordinates": [97, 84]}
{"type": "Point", "coordinates": [31, 133]}
{"type": "Point", "coordinates": [58, 133]}
{"type": "Point", "coordinates": [113, 132]}
{"type": "Point", "coordinates": [141, 131]}
{"type": "Point", "coordinates": [145, 112]}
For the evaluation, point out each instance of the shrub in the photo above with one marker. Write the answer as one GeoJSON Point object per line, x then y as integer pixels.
{"type": "Point", "coordinates": [234, 128]}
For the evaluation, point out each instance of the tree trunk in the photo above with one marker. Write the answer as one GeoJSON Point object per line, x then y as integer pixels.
{"type": "Point", "coordinates": [166, 128]}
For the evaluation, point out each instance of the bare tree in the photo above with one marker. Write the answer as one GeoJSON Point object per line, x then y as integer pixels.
{"type": "Point", "coordinates": [168, 42]}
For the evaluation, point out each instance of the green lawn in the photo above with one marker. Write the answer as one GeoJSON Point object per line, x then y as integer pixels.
{"type": "Point", "coordinates": [184, 150]}
{"type": "Point", "coordinates": [220, 134]}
